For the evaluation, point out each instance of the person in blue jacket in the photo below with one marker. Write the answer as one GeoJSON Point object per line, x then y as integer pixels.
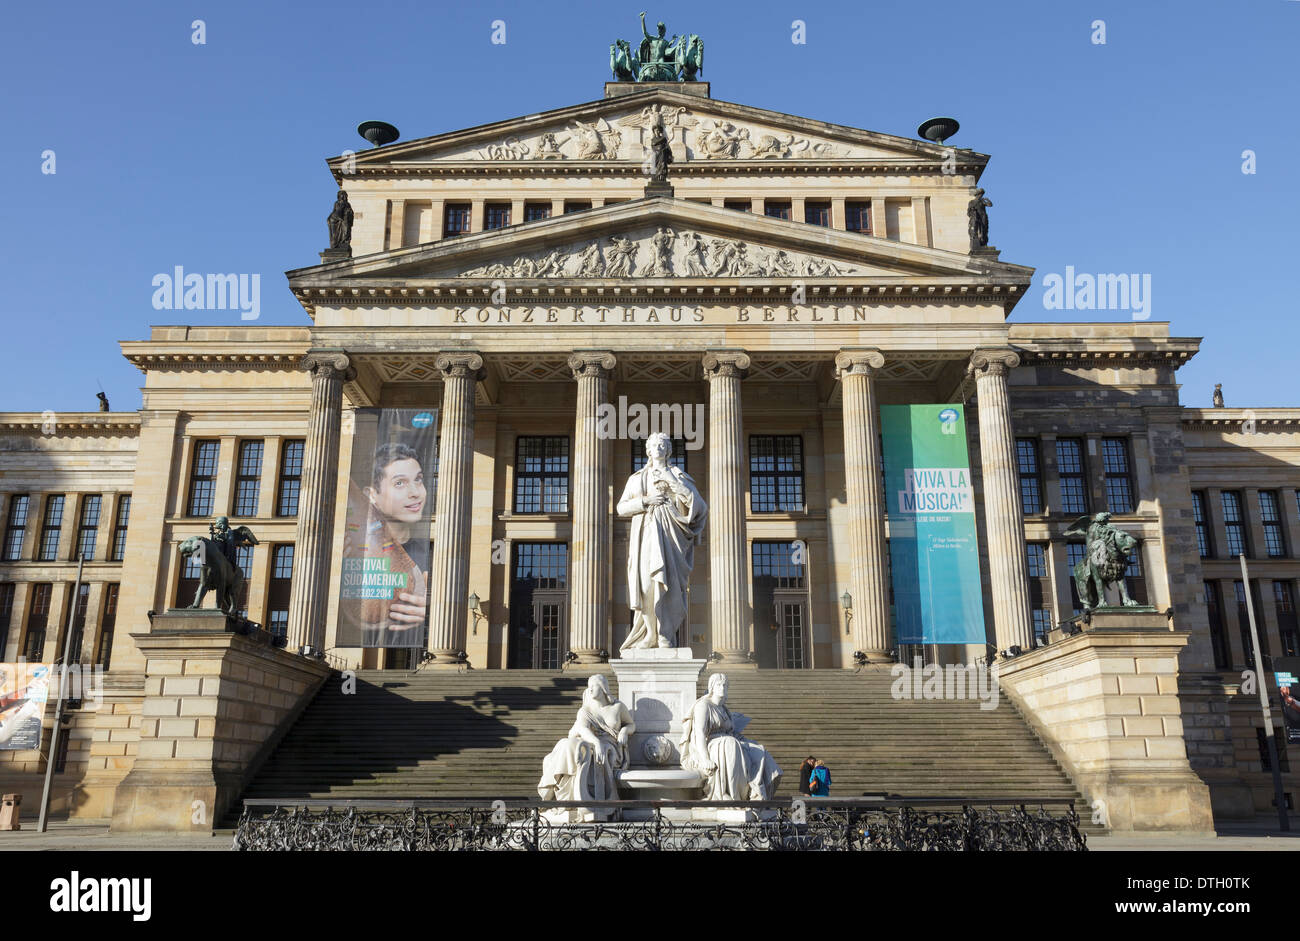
{"type": "Point", "coordinates": [819, 782]}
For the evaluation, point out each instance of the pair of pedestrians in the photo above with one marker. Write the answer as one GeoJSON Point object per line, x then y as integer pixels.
{"type": "Point", "coordinates": [814, 777]}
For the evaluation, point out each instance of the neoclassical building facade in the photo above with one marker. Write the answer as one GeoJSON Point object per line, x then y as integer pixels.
{"type": "Point", "coordinates": [795, 277]}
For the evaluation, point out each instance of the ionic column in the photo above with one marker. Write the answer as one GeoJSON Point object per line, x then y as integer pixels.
{"type": "Point", "coordinates": [856, 370]}
{"type": "Point", "coordinates": [1003, 517]}
{"type": "Point", "coordinates": [589, 546]}
{"type": "Point", "coordinates": [449, 571]}
{"type": "Point", "coordinates": [314, 538]}
{"type": "Point", "coordinates": [728, 581]}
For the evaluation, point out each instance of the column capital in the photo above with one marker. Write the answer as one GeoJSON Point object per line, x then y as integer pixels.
{"type": "Point", "coordinates": [858, 362]}
{"type": "Point", "coordinates": [725, 363]}
{"type": "Point", "coordinates": [597, 363]}
{"type": "Point", "coordinates": [992, 361]}
{"type": "Point", "coordinates": [454, 364]}
{"type": "Point", "coordinates": [329, 364]}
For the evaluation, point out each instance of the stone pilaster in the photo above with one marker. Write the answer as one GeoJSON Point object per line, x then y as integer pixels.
{"type": "Point", "coordinates": [308, 597]}
{"type": "Point", "coordinates": [449, 575]}
{"type": "Point", "coordinates": [728, 582]}
{"type": "Point", "coordinates": [866, 501]}
{"type": "Point", "coordinates": [589, 546]}
{"type": "Point", "coordinates": [1003, 516]}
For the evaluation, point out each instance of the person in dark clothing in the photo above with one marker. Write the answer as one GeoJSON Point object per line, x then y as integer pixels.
{"type": "Point", "coordinates": [805, 771]}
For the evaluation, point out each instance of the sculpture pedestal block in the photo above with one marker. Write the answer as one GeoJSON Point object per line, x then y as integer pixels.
{"type": "Point", "coordinates": [659, 686]}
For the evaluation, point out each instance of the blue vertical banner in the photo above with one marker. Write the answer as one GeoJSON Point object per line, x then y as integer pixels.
{"type": "Point", "coordinates": [933, 547]}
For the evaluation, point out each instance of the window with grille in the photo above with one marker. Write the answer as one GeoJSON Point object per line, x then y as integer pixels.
{"type": "Point", "coordinates": [107, 624]}
{"type": "Point", "coordinates": [1234, 528]}
{"type": "Point", "coordinates": [290, 483]}
{"type": "Point", "coordinates": [676, 459]}
{"type": "Point", "coordinates": [1040, 588]}
{"type": "Point", "coordinates": [780, 582]}
{"type": "Point", "coordinates": [857, 217]}
{"type": "Point", "coordinates": [1074, 554]}
{"type": "Point", "coordinates": [541, 474]}
{"type": "Point", "coordinates": [1218, 633]}
{"type": "Point", "coordinates": [776, 473]}
{"type": "Point", "coordinates": [51, 528]}
{"type": "Point", "coordinates": [1135, 579]}
{"type": "Point", "coordinates": [203, 478]}
{"type": "Point", "coordinates": [776, 209]}
{"type": "Point", "coordinates": [818, 213]}
{"type": "Point", "coordinates": [455, 219]}
{"type": "Point", "coordinates": [7, 590]}
{"type": "Point", "coordinates": [88, 526]}
{"type": "Point", "coordinates": [120, 526]}
{"type": "Point", "coordinates": [1284, 606]}
{"type": "Point", "coordinates": [38, 618]}
{"type": "Point", "coordinates": [1071, 470]}
{"type": "Point", "coordinates": [1270, 514]}
{"type": "Point", "coordinates": [248, 482]}
{"type": "Point", "coordinates": [535, 634]}
{"type": "Point", "coordinates": [536, 212]}
{"type": "Point", "coordinates": [497, 216]}
{"type": "Point", "coordinates": [277, 593]}
{"type": "Point", "coordinates": [1243, 619]}
{"type": "Point", "coordinates": [1202, 524]}
{"type": "Point", "coordinates": [16, 526]}
{"type": "Point", "coordinates": [1031, 482]}
{"type": "Point", "coordinates": [1119, 477]}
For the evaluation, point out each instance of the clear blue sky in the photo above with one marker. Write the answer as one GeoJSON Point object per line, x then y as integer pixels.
{"type": "Point", "coordinates": [1123, 157]}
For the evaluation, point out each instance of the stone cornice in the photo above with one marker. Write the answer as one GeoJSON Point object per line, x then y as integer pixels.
{"type": "Point", "coordinates": [120, 422]}
{"type": "Point", "coordinates": [1241, 419]}
{"type": "Point", "coordinates": [1172, 352]}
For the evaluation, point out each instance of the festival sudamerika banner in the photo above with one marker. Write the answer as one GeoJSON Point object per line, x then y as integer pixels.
{"type": "Point", "coordinates": [384, 581]}
{"type": "Point", "coordinates": [24, 690]}
{"type": "Point", "coordinates": [933, 549]}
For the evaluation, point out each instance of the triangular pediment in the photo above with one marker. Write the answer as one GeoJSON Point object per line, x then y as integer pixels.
{"type": "Point", "coordinates": [618, 129]}
{"type": "Point", "coordinates": [660, 240]}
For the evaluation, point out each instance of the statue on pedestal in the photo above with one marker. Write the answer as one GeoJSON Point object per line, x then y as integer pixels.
{"type": "Point", "coordinates": [1106, 556]}
{"type": "Point", "coordinates": [340, 222]}
{"type": "Point", "coordinates": [668, 514]}
{"type": "Point", "coordinates": [585, 765]}
{"type": "Point", "coordinates": [217, 556]}
{"type": "Point", "coordinates": [978, 218]}
{"type": "Point", "coordinates": [733, 767]}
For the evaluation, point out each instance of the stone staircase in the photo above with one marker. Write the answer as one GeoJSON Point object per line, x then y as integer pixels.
{"type": "Point", "coordinates": [484, 734]}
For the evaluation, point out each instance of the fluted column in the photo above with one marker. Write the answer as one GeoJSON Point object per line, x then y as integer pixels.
{"type": "Point", "coordinates": [728, 581]}
{"type": "Point", "coordinates": [314, 539]}
{"type": "Point", "coordinates": [589, 547]}
{"type": "Point", "coordinates": [865, 489]}
{"type": "Point", "coordinates": [449, 572]}
{"type": "Point", "coordinates": [1004, 518]}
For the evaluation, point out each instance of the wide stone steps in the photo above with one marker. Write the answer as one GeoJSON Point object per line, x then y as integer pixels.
{"type": "Point", "coordinates": [484, 734]}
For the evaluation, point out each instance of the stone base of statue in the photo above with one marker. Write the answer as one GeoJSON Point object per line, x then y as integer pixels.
{"type": "Point", "coordinates": [658, 188]}
{"type": "Point", "coordinates": [335, 254]}
{"type": "Point", "coordinates": [659, 685]}
{"type": "Point", "coordinates": [618, 89]}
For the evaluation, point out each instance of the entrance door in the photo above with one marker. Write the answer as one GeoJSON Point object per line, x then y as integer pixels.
{"type": "Point", "coordinates": [539, 606]}
{"type": "Point", "coordinates": [791, 631]}
{"type": "Point", "coordinates": [551, 629]}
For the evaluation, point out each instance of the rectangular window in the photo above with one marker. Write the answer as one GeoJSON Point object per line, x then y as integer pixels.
{"type": "Point", "coordinates": [497, 216]}
{"type": "Point", "coordinates": [51, 528]}
{"type": "Point", "coordinates": [1270, 514]}
{"type": "Point", "coordinates": [536, 212]}
{"type": "Point", "coordinates": [248, 483]}
{"type": "Point", "coordinates": [6, 614]}
{"type": "Point", "coordinates": [1287, 628]}
{"type": "Point", "coordinates": [120, 526]}
{"type": "Point", "coordinates": [16, 526]}
{"type": "Point", "coordinates": [1119, 478]}
{"type": "Point", "coordinates": [1243, 619]}
{"type": "Point", "coordinates": [541, 474]}
{"type": "Point", "coordinates": [1040, 588]}
{"type": "Point", "coordinates": [244, 559]}
{"type": "Point", "coordinates": [817, 213]}
{"type": "Point", "coordinates": [104, 653]}
{"type": "Point", "coordinates": [677, 459]}
{"type": "Point", "coordinates": [1074, 553]}
{"type": "Point", "coordinates": [1071, 470]}
{"type": "Point", "coordinates": [286, 501]}
{"type": "Point", "coordinates": [1031, 483]}
{"type": "Point", "coordinates": [203, 478]}
{"type": "Point", "coordinates": [1202, 524]}
{"type": "Point", "coordinates": [776, 209]}
{"type": "Point", "coordinates": [1218, 633]}
{"type": "Point", "coordinates": [576, 205]}
{"type": "Point", "coordinates": [776, 473]}
{"type": "Point", "coordinates": [38, 618]}
{"type": "Point", "coordinates": [1135, 579]}
{"type": "Point", "coordinates": [187, 586]}
{"type": "Point", "coordinates": [277, 595]}
{"type": "Point", "coordinates": [857, 217]}
{"type": "Point", "coordinates": [1234, 529]}
{"type": "Point", "coordinates": [78, 625]}
{"type": "Point", "coordinates": [88, 527]}
{"type": "Point", "coordinates": [740, 205]}
{"type": "Point", "coordinates": [455, 219]}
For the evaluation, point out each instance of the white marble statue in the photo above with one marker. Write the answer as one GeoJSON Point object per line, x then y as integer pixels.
{"type": "Point", "coordinates": [585, 765]}
{"type": "Point", "coordinates": [668, 515]}
{"type": "Point", "coordinates": [733, 767]}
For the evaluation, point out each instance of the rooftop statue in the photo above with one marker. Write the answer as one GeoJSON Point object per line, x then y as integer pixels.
{"type": "Point", "coordinates": [659, 57]}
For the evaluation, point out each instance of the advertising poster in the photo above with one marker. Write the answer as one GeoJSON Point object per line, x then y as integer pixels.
{"type": "Point", "coordinates": [24, 690]}
{"type": "Point", "coordinates": [1286, 673]}
{"type": "Point", "coordinates": [933, 549]}
{"type": "Point", "coordinates": [384, 577]}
